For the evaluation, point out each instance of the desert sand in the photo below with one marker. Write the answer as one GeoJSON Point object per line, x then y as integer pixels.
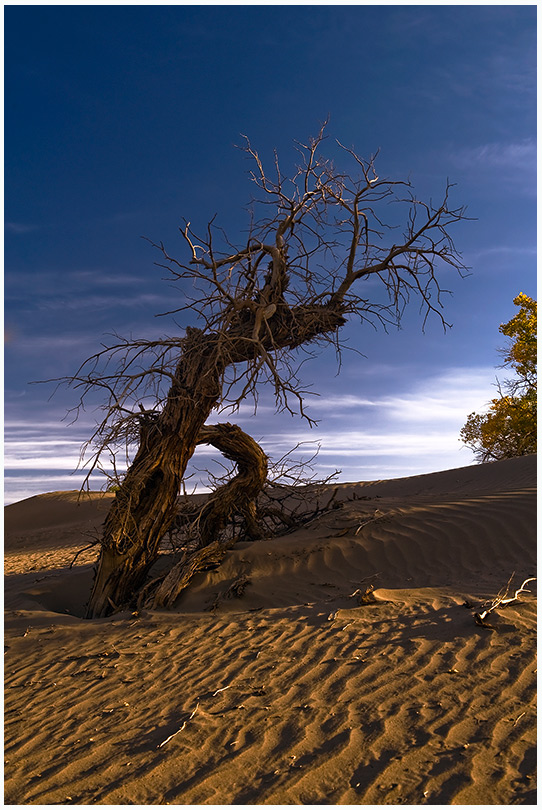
{"type": "Point", "coordinates": [292, 692]}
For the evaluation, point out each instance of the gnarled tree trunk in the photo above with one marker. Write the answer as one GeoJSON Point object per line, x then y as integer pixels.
{"type": "Point", "coordinates": [145, 504]}
{"type": "Point", "coordinates": [237, 497]}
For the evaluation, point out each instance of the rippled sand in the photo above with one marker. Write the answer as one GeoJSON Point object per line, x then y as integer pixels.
{"type": "Point", "coordinates": [293, 693]}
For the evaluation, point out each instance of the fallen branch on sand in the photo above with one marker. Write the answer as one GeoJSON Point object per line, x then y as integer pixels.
{"type": "Point", "coordinates": [223, 689]}
{"type": "Point", "coordinates": [378, 515]}
{"type": "Point", "coordinates": [179, 729]}
{"type": "Point", "coordinates": [501, 600]}
{"type": "Point", "coordinates": [236, 590]}
{"type": "Point", "coordinates": [365, 597]}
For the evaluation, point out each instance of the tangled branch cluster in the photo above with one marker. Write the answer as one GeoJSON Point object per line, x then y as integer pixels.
{"type": "Point", "coordinates": [262, 307]}
{"type": "Point", "coordinates": [291, 497]}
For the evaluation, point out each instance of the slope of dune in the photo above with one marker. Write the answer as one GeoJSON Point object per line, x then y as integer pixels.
{"type": "Point", "coordinates": [294, 692]}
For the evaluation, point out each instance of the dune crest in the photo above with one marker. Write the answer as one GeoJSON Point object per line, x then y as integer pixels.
{"type": "Point", "coordinates": [343, 667]}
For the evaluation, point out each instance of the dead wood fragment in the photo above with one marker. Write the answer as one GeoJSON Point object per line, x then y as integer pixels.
{"type": "Point", "coordinates": [235, 590]}
{"type": "Point", "coordinates": [501, 600]}
{"type": "Point", "coordinates": [223, 689]}
{"type": "Point", "coordinates": [365, 597]}
{"type": "Point", "coordinates": [169, 587]}
{"type": "Point", "coordinates": [479, 620]}
{"type": "Point", "coordinates": [178, 730]}
{"type": "Point", "coordinates": [377, 515]}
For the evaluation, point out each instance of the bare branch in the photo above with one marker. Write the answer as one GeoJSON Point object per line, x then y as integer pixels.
{"type": "Point", "coordinates": [501, 600]}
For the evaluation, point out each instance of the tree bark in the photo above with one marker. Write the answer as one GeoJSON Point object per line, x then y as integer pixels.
{"type": "Point", "coordinates": [236, 497]}
{"type": "Point", "coordinates": [145, 504]}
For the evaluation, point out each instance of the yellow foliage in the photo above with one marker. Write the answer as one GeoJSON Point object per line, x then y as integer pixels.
{"type": "Point", "coordinates": [509, 428]}
{"type": "Point", "coordinates": [521, 355]}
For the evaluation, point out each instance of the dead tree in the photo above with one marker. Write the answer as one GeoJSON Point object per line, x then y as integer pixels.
{"type": "Point", "coordinates": [313, 240]}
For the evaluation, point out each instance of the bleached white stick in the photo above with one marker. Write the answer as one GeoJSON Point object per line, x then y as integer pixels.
{"type": "Point", "coordinates": [221, 690]}
{"type": "Point", "coordinates": [180, 729]}
{"type": "Point", "coordinates": [522, 589]}
{"type": "Point", "coordinates": [504, 600]}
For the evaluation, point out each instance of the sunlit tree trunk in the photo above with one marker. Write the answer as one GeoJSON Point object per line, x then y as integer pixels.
{"type": "Point", "coordinates": [145, 503]}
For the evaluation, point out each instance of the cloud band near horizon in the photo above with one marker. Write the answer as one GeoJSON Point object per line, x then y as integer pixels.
{"type": "Point", "coordinates": [407, 433]}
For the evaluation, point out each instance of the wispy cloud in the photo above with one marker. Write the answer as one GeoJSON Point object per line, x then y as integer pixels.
{"type": "Point", "coordinates": [66, 299]}
{"type": "Point", "coordinates": [412, 431]}
{"type": "Point", "coordinates": [80, 279]}
{"type": "Point", "coordinates": [510, 164]}
{"type": "Point", "coordinates": [88, 343]}
{"type": "Point", "coordinates": [439, 397]}
{"type": "Point", "coordinates": [341, 402]}
{"type": "Point", "coordinates": [40, 451]}
{"type": "Point", "coordinates": [444, 399]}
{"type": "Point", "coordinates": [518, 156]}
{"type": "Point", "coordinates": [122, 300]}
{"type": "Point", "coordinates": [17, 489]}
{"type": "Point", "coordinates": [507, 166]}
{"type": "Point", "coordinates": [97, 277]}
{"type": "Point", "coordinates": [20, 228]}
{"type": "Point", "coordinates": [47, 343]}
{"type": "Point", "coordinates": [93, 288]}
{"type": "Point", "coordinates": [505, 250]}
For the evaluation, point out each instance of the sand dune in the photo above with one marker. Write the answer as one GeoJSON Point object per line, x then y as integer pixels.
{"type": "Point", "coordinates": [293, 693]}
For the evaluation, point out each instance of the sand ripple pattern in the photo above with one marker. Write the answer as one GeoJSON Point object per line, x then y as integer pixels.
{"type": "Point", "coordinates": [383, 704]}
{"type": "Point", "coordinates": [293, 694]}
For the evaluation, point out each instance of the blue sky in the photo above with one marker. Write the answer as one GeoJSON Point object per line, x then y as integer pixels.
{"type": "Point", "coordinates": [123, 120]}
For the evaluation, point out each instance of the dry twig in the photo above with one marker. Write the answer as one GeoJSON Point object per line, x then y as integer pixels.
{"type": "Point", "coordinates": [365, 597]}
{"type": "Point", "coordinates": [501, 600]}
{"type": "Point", "coordinates": [223, 689]}
{"type": "Point", "coordinates": [178, 730]}
{"type": "Point", "coordinates": [377, 515]}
